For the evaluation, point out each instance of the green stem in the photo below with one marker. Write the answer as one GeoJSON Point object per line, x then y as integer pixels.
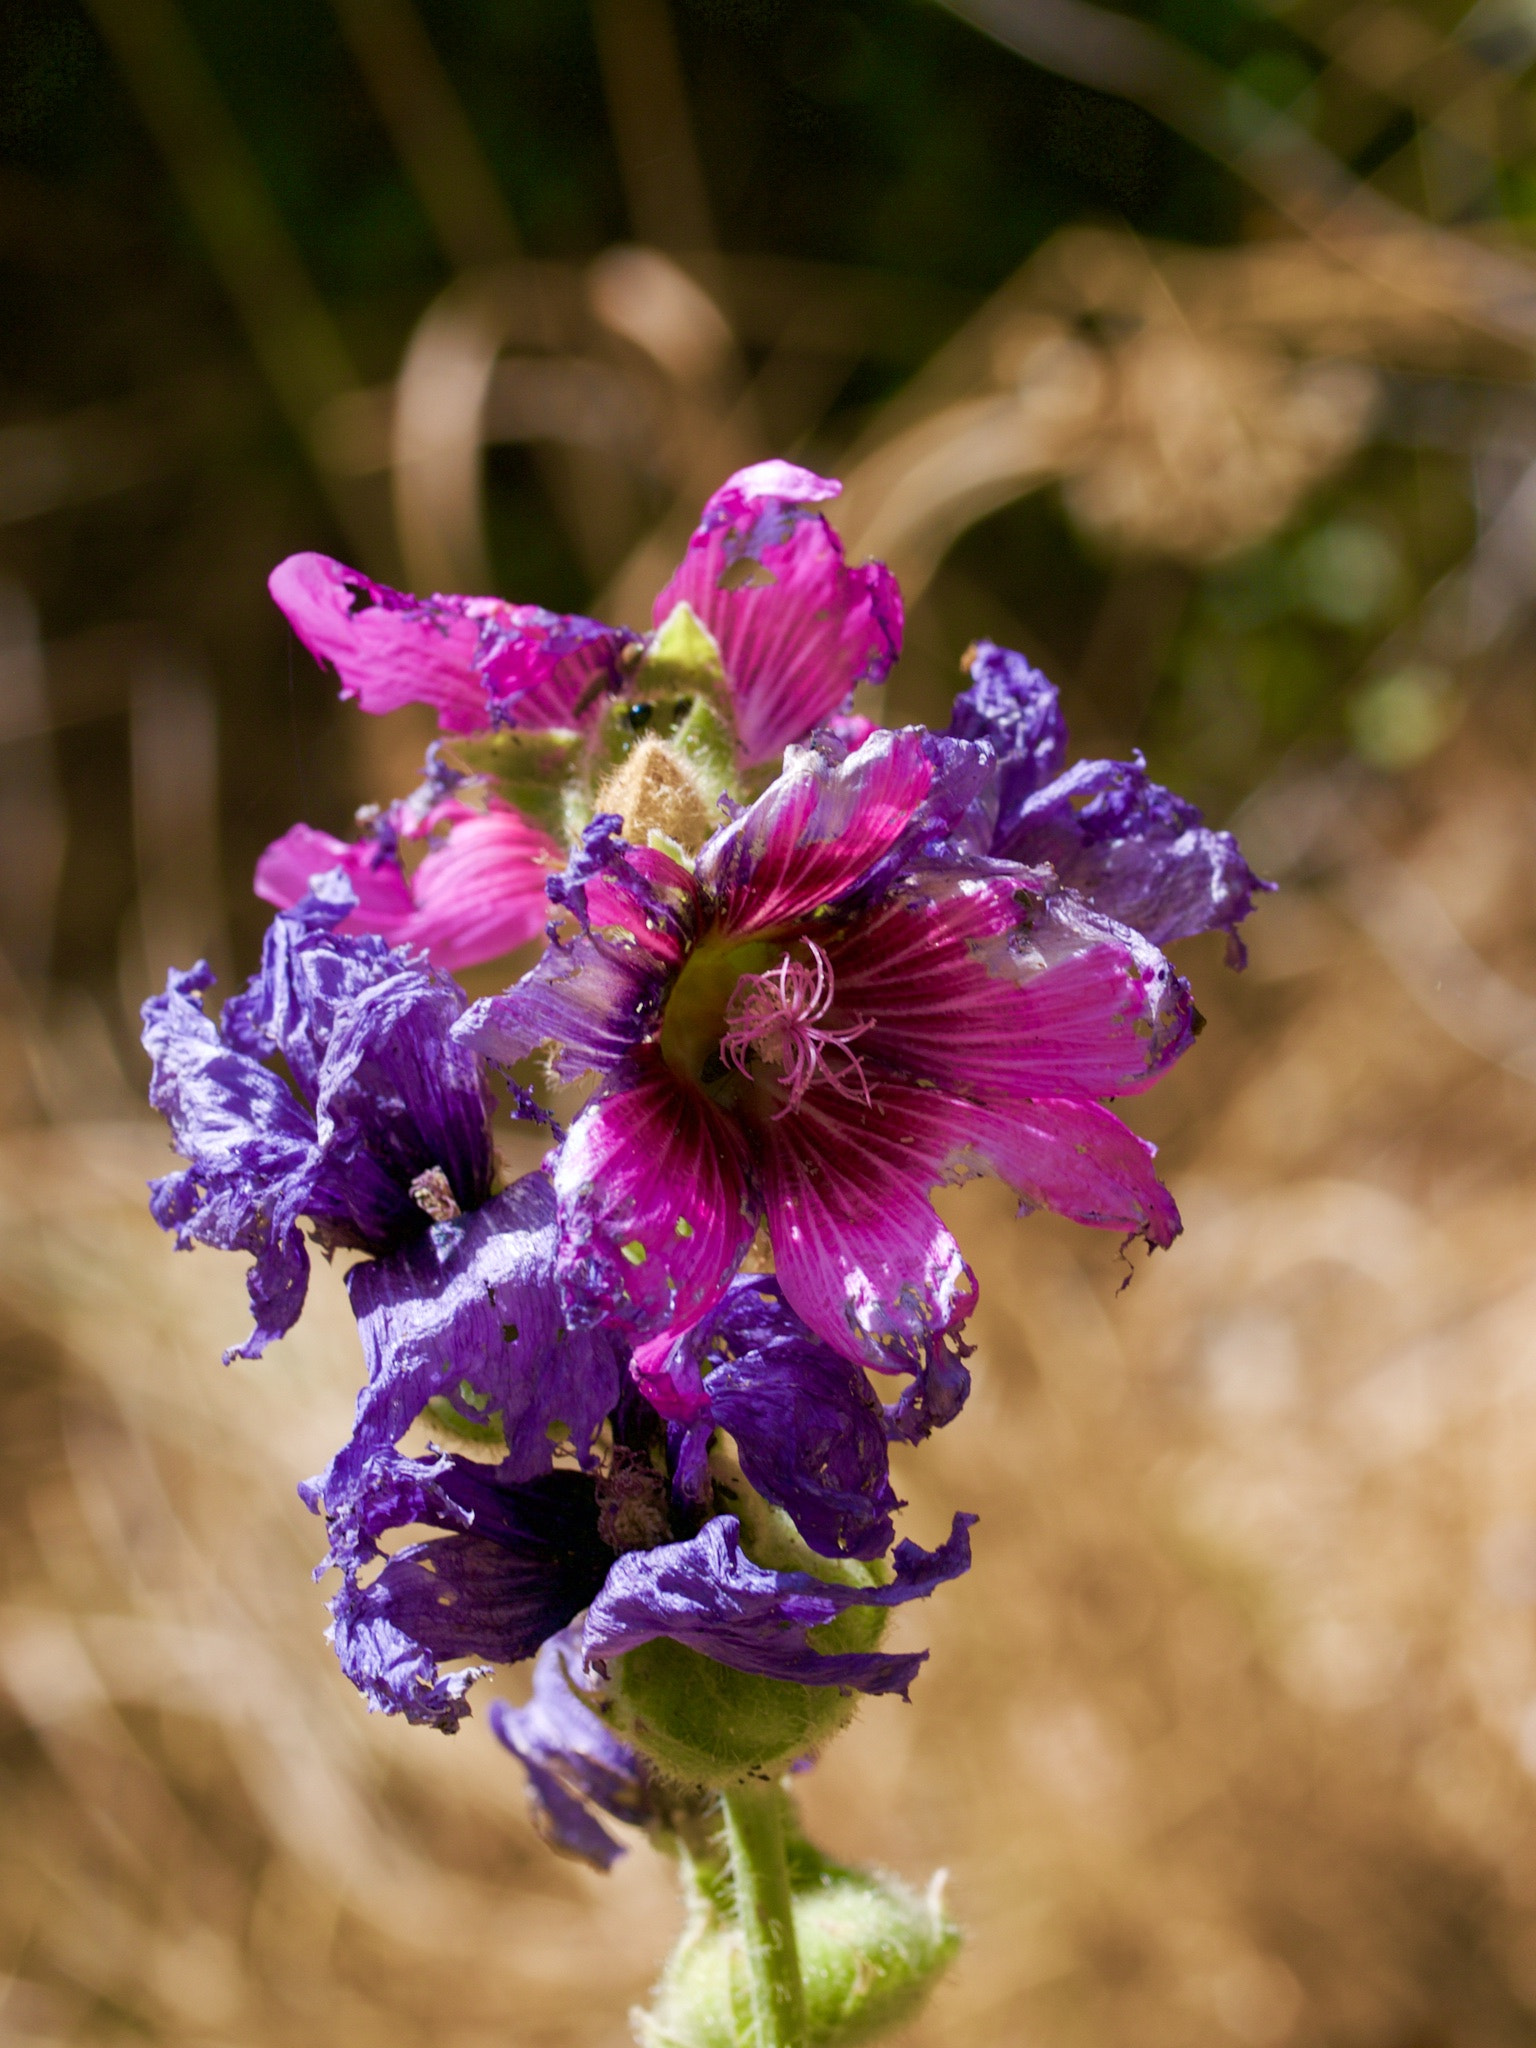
{"type": "Point", "coordinates": [754, 1833]}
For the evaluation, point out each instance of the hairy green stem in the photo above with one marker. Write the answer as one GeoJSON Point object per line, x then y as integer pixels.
{"type": "Point", "coordinates": [754, 1833]}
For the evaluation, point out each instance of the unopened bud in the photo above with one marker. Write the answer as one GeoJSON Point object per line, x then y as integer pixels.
{"type": "Point", "coordinates": [871, 1950]}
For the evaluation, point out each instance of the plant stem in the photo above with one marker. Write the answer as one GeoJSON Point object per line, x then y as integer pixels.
{"type": "Point", "coordinates": [754, 1833]}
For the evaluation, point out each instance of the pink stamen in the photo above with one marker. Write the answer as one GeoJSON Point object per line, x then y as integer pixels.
{"type": "Point", "coordinates": [777, 1016]}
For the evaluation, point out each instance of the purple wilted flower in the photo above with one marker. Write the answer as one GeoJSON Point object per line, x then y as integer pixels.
{"type": "Point", "coordinates": [383, 1121]}
{"type": "Point", "coordinates": [848, 1001]}
{"type": "Point", "coordinates": [1132, 848]}
{"type": "Point", "coordinates": [522, 1548]}
{"type": "Point", "coordinates": [381, 1139]}
{"type": "Point", "coordinates": [796, 627]}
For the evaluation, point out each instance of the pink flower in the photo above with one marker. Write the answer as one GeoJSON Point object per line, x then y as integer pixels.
{"type": "Point", "coordinates": [848, 1002]}
{"type": "Point", "coordinates": [797, 628]}
{"type": "Point", "coordinates": [479, 892]}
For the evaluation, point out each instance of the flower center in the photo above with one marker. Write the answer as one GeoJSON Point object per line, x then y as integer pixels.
{"type": "Point", "coordinates": [777, 1016]}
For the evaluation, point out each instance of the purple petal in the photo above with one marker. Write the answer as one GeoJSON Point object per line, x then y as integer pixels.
{"type": "Point", "coordinates": [471, 1312]}
{"type": "Point", "coordinates": [1134, 850]}
{"type": "Point", "coordinates": [971, 981]}
{"type": "Point", "coordinates": [809, 1431]}
{"type": "Point", "coordinates": [251, 1148]}
{"type": "Point", "coordinates": [476, 660]}
{"type": "Point", "coordinates": [397, 1097]}
{"type": "Point", "coordinates": [309, 971]}
{"type": "Point", "coordinates": [544, 668]}
{"type": "Point", "coordinates": [573, 1759]}
{"type": "Point", "coordinates": [655, 1208]}
{"type": "Point", "coordinates": [380, 1095]}
{"type": "Point", "coordinates": [1017, 712]}
{"type": "Point", "coordinates": [707, 1594]}
{"type": "Point", "coordinates": [529, 1560]}
{"type": "Point", "coordinates": [796, 627]}
{"type": "Point", "coordinates": [860, 1253]}
{"type": "Point", "coordinates": [935, 1394]}
{"type": "Point", "coordinates": [596, 992]}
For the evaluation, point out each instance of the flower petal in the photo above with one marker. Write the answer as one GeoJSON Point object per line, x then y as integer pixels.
{"type": "Point", "coordinates": [860, 1253]}
{"type": "Point", "coordinates": [481, 892]}
{"type": "Point", "coordinates": [1135, 851]}
{"type": "Point", "coordinates": [1017, 712]}
{"type": "Point", "coordinates": [528, 1562]}
{"type": "Point", "coordinates": [573, 1759]}
{"type": "Point", "coordinates": [387, 649]}
{"type": "Point", "coordinates": [290, 865]}
{"type": "Point", "coordinates": [974, 982]}
{"type": "Point", "coordinates": [796, 627]}
{"type": "Point", "coordinates": [809, 1431]}
{"type": "Point", "coordinates": [655, 1207]}
{"type": "Point", "coordinates": [471, 1313]}
{"type": "Point", "coordinates": [818, 831]}
{"type": "Point", "coordinates": [477, 661]}
{"type": "Point", "coordinates": [708, 1594]}
{"type": "Point", "coordinates": [595, 993]}
{"type": "Point", "coordinates": [1078, 1159]}
{"type": "Point", "coordinates": [251, 1146]}
{"type": "Point", "coordinates": [397, 1097]}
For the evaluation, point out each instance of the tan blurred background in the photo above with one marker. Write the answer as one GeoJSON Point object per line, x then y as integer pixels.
{"type": "Point", "coordinates": [1189, 348]}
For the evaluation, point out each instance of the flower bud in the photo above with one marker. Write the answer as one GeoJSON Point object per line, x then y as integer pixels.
{"type": "Point", "coordinates": [870, 1951]}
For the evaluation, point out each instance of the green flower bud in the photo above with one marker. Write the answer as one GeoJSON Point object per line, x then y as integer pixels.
{"type": "Point", "coordinates": [705, 1723]}
{"type": "Point", "coordinates": [871, 1950]}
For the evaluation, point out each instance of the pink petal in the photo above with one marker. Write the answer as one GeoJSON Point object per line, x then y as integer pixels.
{"type": "Point", "coordinates": [478, 895]}
{"type": "Point", "coordinates": [477, 661]}
{"type": "Point", "coordinates": [384, 901]}
{"type": "Point", "coordinates": [797, 628]}
{"type": "Point", "coordinates": [387, 649]}
{"type": "Point", "coordinates": [860, 1252]}
{"type": "Point", "coordinates": [655, 1210]}
{"type": "Point", "coordinates": [972, 983]}
{"type": "Point", "coordinates": [481, 893]}
{"type": "Point", "coordinates": [1078, 1159]}
{"type": "Point", "coordinates": [816, 832]}
{"type": "Point", "coordinates": [673, 1385]}
{"type": "Point", "coordinates": [609, 903]}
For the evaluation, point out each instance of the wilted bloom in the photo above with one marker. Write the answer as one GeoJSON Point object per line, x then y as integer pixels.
{"type": "Point", "coordinates": [1133, 849]}
{"type": "Point", "coordinates": [382, 1122]}
{"type": "Point", "coordinates": [637, 1534]}
{"type": "Point", "coordinates": [847, 1001]}
{"type": "Point", "coordinates": [792, 629]}
{"type": "Point", "coordinates": [577, 1767]}
{"type": "Point", "coordinates": [380, 1139]}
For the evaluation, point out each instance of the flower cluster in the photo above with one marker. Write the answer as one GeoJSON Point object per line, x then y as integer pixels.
{"type": "Point", "coordinates": [628, 1407]}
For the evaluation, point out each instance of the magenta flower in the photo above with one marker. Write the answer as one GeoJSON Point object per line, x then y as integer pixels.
{"type": "Point", "coordinates": [847, 1003]}
{"type": "Point", "coordinates": [797, 628]}
{"type": "Point", "coordinates": [479, 892]}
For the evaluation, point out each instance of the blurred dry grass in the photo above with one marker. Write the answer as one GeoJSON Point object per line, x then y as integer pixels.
{"type": "Point", "coordinates": [1230, 1735]}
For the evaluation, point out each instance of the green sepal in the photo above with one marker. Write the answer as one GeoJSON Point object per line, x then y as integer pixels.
{"type": "Point", "coordinates": [531, 770]}
{"type": "Point", "coordinates": [871, 1949]}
